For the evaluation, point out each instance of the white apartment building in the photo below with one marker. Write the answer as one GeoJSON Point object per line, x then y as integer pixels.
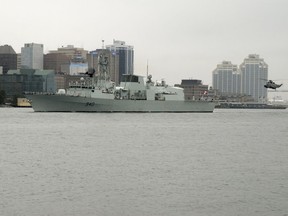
{"type": "Point", "coordinates": [226, 78]}
{"type": "Point", "coordinates": [248, 80]}
{"type": "Point", "coordinates": [32, 56]}
{"type": "Point", "coordinates": [254, 72]}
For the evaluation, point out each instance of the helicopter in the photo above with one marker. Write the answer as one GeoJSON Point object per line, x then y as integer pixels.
{"type": "Point", "coordinates": [271, 84]}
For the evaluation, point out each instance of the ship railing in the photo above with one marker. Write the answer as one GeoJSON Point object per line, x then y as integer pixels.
{"type": "Point", "coordinates": [82, 86]}
{"type": "Point", "coordinates": [38, 93]}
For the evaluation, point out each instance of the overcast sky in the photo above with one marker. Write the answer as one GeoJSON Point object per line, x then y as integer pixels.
{"type": "Point", "coordinates": [181, 39]}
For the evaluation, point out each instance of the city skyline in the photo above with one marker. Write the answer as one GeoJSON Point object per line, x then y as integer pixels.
{"type": "Point", "coordinates": [180, 40]}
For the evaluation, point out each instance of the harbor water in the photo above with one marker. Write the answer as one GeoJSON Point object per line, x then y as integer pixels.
{"type": "Point", "coordinates": [230, 162]}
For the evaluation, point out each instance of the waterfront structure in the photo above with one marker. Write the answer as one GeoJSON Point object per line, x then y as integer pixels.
{"type": "Point", "coordinates": [193, 89]}
{"type": "Point", "coordinates": [32, 56]}
{"type": "Point", "coordinates": [126, 57]}
{"type": "Point", "coordinates": [254, 72]}
{"type": "Point", "coordinates": [15, 82]}
{"type": "Point", "coordinates": [227, 78]}
{"type": "Point", "coordinates": [8, 58]}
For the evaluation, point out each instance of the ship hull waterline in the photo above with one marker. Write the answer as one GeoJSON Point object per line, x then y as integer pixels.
{"type": "Point", "coordinates": [63, 103]}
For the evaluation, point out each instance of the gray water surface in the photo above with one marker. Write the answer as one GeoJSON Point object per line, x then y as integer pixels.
{"type": "Point", "coordinates": [230, 162]}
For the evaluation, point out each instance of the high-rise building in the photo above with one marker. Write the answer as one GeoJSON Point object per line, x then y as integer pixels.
{"type": "Point", "coordinates": [18, 60]}
{"type": "Point", "coordinates": [226, 78]}
{"type": "Point", "coordinates": [32, 56]}
{"type": "Point", "coordinates": [55, 61]}
{"type": "Point", "coordinates": [73, 53]}
{"type": "Point", "coordinates": [126, 56]}
{"type": "Point", "coordinates": [8, 58]}
{"type": "Point", "coordinates": [248, 80]}
{"type": "Point", "coordinates": [254, 71]}
{"type": "Point", "coordinates": [67, 60]}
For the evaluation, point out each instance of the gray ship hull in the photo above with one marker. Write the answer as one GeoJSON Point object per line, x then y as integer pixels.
{"type": "Point", "coordinates": [63, 103]}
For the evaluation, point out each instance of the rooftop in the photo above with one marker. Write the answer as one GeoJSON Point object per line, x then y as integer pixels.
{"type": "Point", "coordinates": [7, 49]}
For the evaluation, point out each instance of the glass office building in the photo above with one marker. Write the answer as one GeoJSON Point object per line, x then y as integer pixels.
{"type": "Point", "coordinates": [126, 56]}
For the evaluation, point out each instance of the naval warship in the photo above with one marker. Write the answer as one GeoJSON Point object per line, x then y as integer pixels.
{"type": "Point", "coordinates": [134, 94]}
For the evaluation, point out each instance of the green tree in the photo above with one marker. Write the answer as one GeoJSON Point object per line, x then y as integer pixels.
{"type": "Point", "coordinates": [2, 97]}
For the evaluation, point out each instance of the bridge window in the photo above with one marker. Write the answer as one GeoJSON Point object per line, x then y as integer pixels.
{"type": "Point", "coordinates": [129, 78]}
